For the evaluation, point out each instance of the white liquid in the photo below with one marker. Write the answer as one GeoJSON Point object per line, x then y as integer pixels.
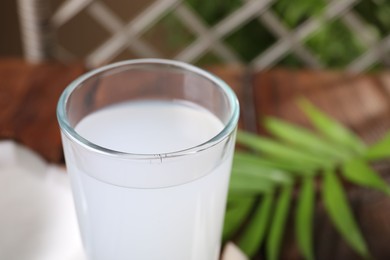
{"type": "Point", "coordinates": [180, 215]}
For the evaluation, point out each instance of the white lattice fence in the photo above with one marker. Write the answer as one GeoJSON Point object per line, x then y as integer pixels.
{"type": "Point", "coordinates": [39, 40]}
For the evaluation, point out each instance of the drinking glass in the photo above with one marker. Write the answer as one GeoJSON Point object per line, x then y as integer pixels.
{"type": "Point", "coordinates": [148, 146]}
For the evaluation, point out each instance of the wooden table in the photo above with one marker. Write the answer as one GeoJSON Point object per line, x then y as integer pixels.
{"type": "Point", "coordinates": [29, 94]}
{"type": "Point", "coordinates": [28, 98]}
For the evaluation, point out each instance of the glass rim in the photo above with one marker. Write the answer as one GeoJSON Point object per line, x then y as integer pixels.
{"type": "Point", "coordinates": [71, 133]}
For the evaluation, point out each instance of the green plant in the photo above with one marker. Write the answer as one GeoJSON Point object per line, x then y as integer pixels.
{"type": "Point", "coordinates": [263, 180]}
{"type": "Point", "coordinates": [334, 44]}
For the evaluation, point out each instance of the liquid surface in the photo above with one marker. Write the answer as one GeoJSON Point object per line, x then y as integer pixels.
{"type": "Point", "coordinates": [164, 126]}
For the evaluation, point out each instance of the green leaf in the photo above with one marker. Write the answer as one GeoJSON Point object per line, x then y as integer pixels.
{"type": "Point", "coordinates": [246, 184]}
{"type": "Point", "coordinates": [340, 213]}
{"type": "Point", "coordinates": [304, 218]}
{"type": "Point", "coordinates": [254, 233]}
{"type": "Point", "coordinates": [261, 172]}
{"type": "Point", "coordinates": [380, 150]}
{"type": "Point", "coordinates": [331, 128]}
{"type": "Point", "coordinates": [255, 159]}
{"type": "Point", "coordinates": [278, 223]}
{"type": "Point", "coordinates": [359, 172]}
{"type": "Point", "coordinates": [295, 11]}
{"type": "Point", "coordinates": [304, 138]}
{"type": "Point", "coordinates": [279, 150]}
{"type": "Point", "coordinates": [235, 216]}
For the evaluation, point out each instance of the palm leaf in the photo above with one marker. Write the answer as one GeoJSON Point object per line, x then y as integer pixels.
{"type": "Point", "coordinates": [278, 150]}
{"type": "Point", "coordinates": [380, 150]}
{"type": "Point", "coordinates": [261, 161]}
{"type": "Point", "coordinates": [254, 234]}
{"type": "Point", "coordinates": [331, 128]}
{"type": "Point", "coordinates": [340, 213]}
{"type": "Point", "coordinates": [302, 154]}
{"type": "Point", "coordinates": [304, 138]}
{"type": "Point", "coordinates": [235, 215]}
{"type": "Point", "coordinates": [275, 236]}
{"type": "Point", "coordinates": [304, 218]}
{"type": "Point", "coordinates": [246, 184]}
{"type": "Point", "coordinates": [359, 172]}
{"type": "Point", "coordinates": [261, 172]}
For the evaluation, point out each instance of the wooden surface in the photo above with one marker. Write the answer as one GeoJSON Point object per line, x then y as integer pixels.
{"type": "Point", "coordinates": [29, 94]}
{"type": "Point", "coordinates": [362, 102]}
{"type": "Point", "coordinates": [28, 99]}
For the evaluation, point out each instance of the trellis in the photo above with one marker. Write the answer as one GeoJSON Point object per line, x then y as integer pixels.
{"type": "Point", "coordinates": [38, 25]}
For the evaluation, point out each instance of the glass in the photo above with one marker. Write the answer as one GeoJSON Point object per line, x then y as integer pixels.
{"type": "Point", "coordinates": [148, 146]}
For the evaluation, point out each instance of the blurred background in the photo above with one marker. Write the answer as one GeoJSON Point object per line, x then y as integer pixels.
{"type": "Point", "coordinates": [319, 42]}
{"type": "Point", "coordinates": [349, 34]}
